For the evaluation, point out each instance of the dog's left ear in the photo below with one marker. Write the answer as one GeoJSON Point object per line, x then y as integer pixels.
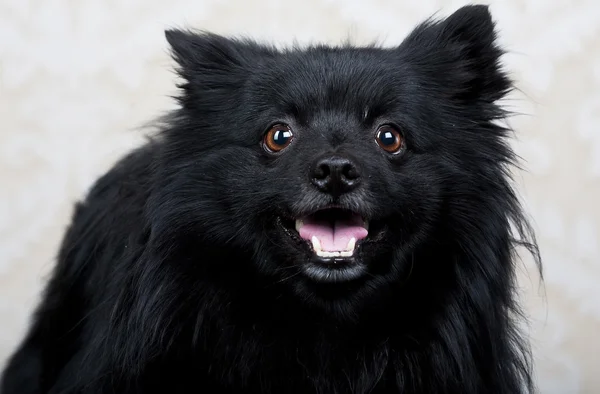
{"type": "Point", "coordinates": [460, 54]}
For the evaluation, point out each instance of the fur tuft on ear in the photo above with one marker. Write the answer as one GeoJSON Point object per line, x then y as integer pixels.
{"type": "Point", "coordinates": [204, 52]}
{"type": "Point", "coordinates": [211, 64]}
{"type": "Point", "coordinates": [461, 53]}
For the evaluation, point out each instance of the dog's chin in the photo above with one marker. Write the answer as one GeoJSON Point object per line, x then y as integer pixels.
{"type": "Point", "coordinates": [330, 243]}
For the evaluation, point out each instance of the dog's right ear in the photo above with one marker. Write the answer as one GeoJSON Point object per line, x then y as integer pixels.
{"type": "Point", "coordinates": [204, 53]}
{"type": "Point", "coordinates": [211, 63]}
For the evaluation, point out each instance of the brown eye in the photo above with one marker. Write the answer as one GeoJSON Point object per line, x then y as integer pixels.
{"type": "Point", "coordinates": [277, 138]}
{"type": "Point", "coordinates": [389, 139]}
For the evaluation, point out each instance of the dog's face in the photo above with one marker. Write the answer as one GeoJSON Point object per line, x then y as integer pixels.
{"type": "Point", "coordinates": [330, 165]}
{"type": "Point", "coordinates": [338, 165]}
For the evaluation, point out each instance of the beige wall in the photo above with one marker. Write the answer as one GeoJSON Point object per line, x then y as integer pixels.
{"type": "Point", "coordinates": [77, 78]}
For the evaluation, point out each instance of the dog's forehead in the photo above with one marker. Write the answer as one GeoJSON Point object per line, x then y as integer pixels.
{"type": "Point", "coordinates": [346, 78]}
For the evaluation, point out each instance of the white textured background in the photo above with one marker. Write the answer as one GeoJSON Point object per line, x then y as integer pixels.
{"type": "Point", "coordinates": [77, 78]}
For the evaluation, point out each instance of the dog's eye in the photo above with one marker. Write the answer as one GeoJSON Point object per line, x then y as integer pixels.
{"type": "Point", "coordinates": [277, 138]}
{"type": "Point", "coordinates": [389, 139]}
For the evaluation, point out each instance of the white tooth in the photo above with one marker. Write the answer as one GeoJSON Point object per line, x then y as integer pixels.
{"type": "Point", "coordinates": [299, 224]}
{"type": "Point", "coordinates": [351, 244]}
{"type": "Point", "coordinates": [316, 244]}
{"type": "Point", "coordinates": [347, 253]}
{"type": "Point", "coordinates": [322, 253]}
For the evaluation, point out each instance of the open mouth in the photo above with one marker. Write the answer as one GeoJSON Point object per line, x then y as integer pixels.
{"type": "Point", "coordinates": [334, 237]}
{"type": "Point", "coordinates": [333, 233]}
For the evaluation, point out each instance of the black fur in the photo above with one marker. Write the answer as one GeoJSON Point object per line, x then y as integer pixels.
{"type": "Point", "coordinates": [175, 276]}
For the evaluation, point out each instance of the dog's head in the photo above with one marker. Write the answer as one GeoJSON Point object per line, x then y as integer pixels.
{"type": "Point", "coordinates": [330, 165]}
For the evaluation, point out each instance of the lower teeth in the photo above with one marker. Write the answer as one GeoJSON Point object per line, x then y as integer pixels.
{"type": "Point", "coordinates": [322, 253]}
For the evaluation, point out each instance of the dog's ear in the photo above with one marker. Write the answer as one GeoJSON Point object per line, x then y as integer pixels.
{"type": "Point", "coordinates": [211, 64]}
{"type": "Point", "coordinates": [460, 54]}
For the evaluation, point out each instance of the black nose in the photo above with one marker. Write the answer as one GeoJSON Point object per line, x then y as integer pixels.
{"type": "Point", "coordinates": [335, 175]}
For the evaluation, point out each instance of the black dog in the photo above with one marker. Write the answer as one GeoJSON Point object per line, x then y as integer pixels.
{"type": "Point", "coordinates": [319, 220]}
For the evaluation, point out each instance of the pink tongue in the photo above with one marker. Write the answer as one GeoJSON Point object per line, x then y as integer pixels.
{"type": "Point", "coordinates": [333, 236]}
